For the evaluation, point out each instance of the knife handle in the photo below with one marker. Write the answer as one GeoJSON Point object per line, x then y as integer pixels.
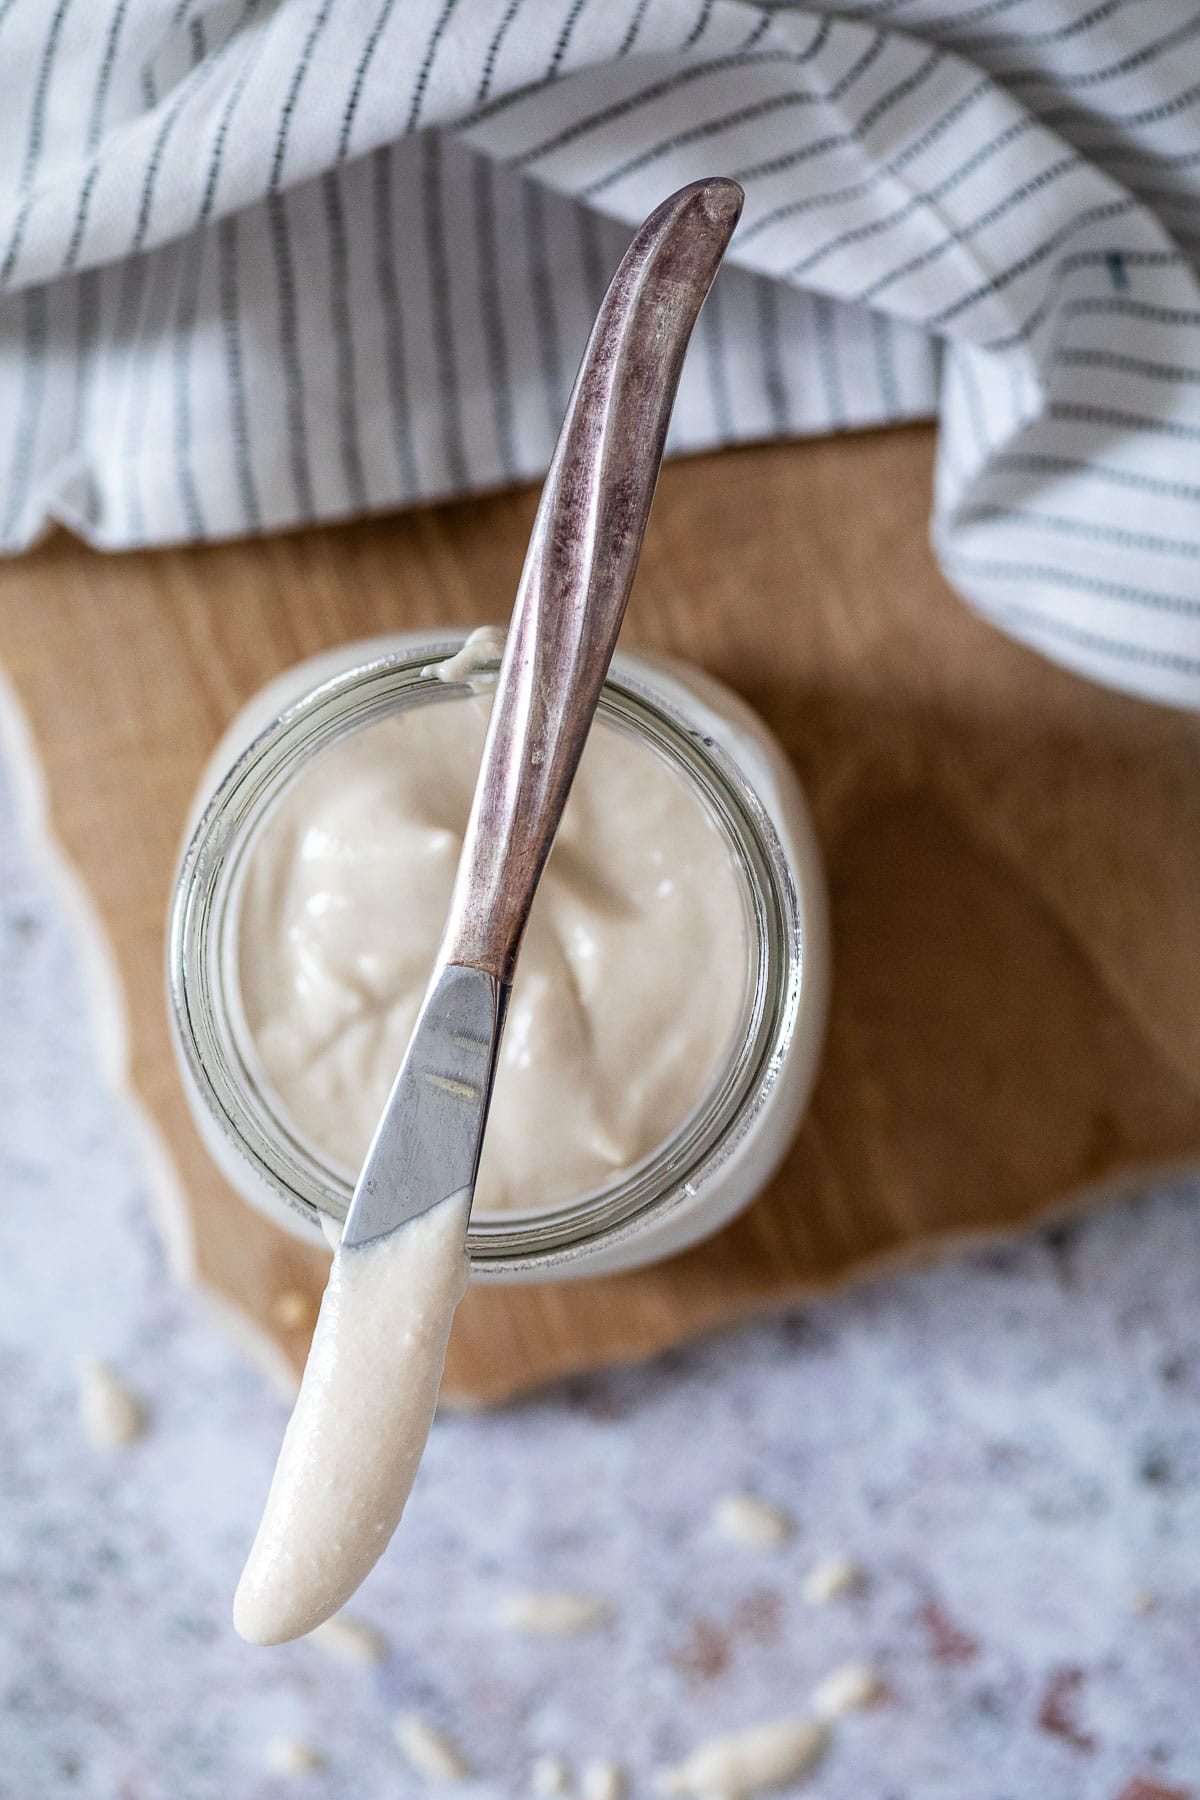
{"type": "Point", "coordinates": [579, 568]}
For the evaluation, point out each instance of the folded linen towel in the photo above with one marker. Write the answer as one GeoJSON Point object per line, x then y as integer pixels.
{"type": "Point", "coordinates": [266, 261]}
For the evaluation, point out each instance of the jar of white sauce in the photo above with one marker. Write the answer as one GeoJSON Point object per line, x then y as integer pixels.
{"type": "Point", "coordinates": [732, 1140]}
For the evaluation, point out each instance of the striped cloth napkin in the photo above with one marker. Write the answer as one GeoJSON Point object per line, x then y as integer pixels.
{"type": "Point", "coordinates": [265, 261]}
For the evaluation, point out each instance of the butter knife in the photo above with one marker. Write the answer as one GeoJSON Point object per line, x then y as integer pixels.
{"type": "Point", "coordinates": [583, 552]}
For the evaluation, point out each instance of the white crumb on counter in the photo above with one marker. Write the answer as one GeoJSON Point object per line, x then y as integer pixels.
{"type": "Point", "coordinates": [553, 1613]}
{"type": "Point", "coordinates": [350, 1640]}
{"type": "Point", "coordinates": [847, 1689]}
{"type": "Point", "coordinates": [601, 1781]}
{"type": "Point", "coordinates": [830, 1579]}
{"type": "Point", "coordinates": [111, 1413]}
{"type": "Point", "coordinates": [430, 1752]}
{"type": "Point", "coordinates": [291, 1756]}
{"type": "Point", "coordinates": [549, 1777]}
{"type": "Point", "coordinates": [747, 1762]}
{"type": "Point", "coordinates": [758, 1524]}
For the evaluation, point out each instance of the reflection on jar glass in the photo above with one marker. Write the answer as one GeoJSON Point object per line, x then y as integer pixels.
{"type": "Point", "coordinates": [716, 1158]}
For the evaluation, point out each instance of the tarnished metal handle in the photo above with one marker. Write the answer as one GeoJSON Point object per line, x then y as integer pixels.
{"type": "Point", "coordinates": [579, 568]}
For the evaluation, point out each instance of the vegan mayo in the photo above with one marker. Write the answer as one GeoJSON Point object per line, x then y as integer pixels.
{"type": "Point", "coordinates": [660, 983]}
{"type": "Point", "coordinates": [630, 986]}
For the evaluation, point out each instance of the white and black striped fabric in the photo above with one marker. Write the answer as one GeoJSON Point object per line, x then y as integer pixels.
{"type": "Point", "coordinates": [266, 261]}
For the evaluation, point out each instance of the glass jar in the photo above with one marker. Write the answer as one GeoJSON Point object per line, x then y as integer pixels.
{"type": "Point", "coordinates": [732, 1142]}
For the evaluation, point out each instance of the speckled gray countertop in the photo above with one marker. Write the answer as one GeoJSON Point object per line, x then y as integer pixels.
{"type": "Point", "coordinates": [1010, 1445]}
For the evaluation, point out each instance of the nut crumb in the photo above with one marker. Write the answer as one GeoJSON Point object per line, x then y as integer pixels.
{"type": "Point", "coordinates": [830, 1579]}
{"type": "Point", "coordinates": [1141, 1602]}
{"type": "Point", "coordinates": [293, 1310]}
{"type": "Point", "coordinates": [847, 1689]}
{"type": "Point", "coordinates": [429, 1752]}
{"type": "Point", "coordinates": [554, 1613]}
{"type": "Point", "coordinates": [759, 1525]}
{"type": "Point", "coordinates": [602, 1781]}
{"type": "Point", "coordinates": [350, 1640]}
{"type": "Point", "coordinates": [292, 1756]}
{"type": "Point", "coordinates": [747, 1762]}
{"type": "Point", "coordinates": [111, 1413]}
{"type": "Point", "coordinates": [548, 1777]}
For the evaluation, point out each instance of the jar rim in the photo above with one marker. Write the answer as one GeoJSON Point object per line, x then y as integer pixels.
{"type": "Point", "coordinates": [200, 968]}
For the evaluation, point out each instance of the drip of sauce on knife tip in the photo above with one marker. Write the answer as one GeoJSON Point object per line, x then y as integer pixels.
{"type": "Point", "coordinates": [355, 1437]}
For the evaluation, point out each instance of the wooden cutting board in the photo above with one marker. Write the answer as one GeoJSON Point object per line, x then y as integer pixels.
{"type": "Point", "coordinates": [1014, 863]}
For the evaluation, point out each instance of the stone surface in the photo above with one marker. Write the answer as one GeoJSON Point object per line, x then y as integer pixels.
{"type": "Point", "coordinates": [1009, 1444]}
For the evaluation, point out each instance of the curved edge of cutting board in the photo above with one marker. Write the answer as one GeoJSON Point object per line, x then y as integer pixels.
{"type": "Point", "coordinates": [967, 794]}
{"type": "Point", "coordinates": [107, 1019]}
{"type": "Point", "coordinates": [651, 1335]}
{"type": "Point", "coordinates": [108, 1023]}
{"type": "Point", "coordinates": [748, 1312]}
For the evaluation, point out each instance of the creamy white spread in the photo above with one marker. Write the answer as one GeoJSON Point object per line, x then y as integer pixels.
{"type": "Point", "coordinates": [631, 983]}
{"type": "Point", "coordinates": [355, 1437]}
{"type": "Point", "coordinates": [632, 977]}
{"type": "Point", "coordinates": [468, 665]}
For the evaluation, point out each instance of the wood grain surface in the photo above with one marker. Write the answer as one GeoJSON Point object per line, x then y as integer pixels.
{"type": "Point", "coordinates": [1014, 862]}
